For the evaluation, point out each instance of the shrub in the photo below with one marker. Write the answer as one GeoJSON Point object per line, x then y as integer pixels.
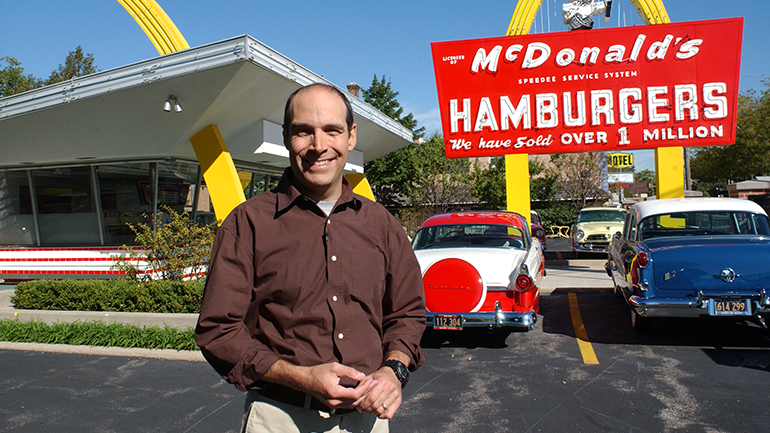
{"type": "Point", "coordinates": [158, 296]}
{"type": "Point", "coordinates": [175, 250]}
{"type": "Point", "coordinates": [557, 214]}
{"type": "Point", "coordinates": [98, 334]}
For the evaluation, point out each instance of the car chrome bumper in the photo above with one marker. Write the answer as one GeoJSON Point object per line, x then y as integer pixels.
{"type": "Point", "coordinates": [690, 306]}
{"type": "Point", "coordinates": [493, 320]}
{"type": "Point", "coordinates": [595, 246]}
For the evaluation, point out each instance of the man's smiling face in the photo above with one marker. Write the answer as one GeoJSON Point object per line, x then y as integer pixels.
{"type": "Point", "coordinates": [318, 142]}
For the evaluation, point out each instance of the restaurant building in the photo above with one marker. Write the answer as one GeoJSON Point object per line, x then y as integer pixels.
{"type": "Point", "coordinates": [83, 158]}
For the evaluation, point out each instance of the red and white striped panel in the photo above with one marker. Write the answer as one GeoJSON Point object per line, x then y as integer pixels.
{"type": "Point", "coordinates": [22, 264]}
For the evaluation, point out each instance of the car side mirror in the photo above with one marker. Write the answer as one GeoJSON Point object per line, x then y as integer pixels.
{"type": "Point", "coordinates": [617, 235]}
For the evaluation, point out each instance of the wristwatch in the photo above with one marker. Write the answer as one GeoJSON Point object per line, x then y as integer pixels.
{"type": "Point", "coordinates": [402, 373]}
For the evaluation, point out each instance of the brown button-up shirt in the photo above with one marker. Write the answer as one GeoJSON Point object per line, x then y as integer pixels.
{"type": "Point", "coordinates": [288, 282]}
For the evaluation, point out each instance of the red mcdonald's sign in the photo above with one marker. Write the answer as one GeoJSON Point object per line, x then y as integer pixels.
{"type": "Point", "coordinates": [615, 89]}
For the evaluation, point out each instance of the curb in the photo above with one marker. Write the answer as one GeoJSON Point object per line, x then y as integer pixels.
{"type": "Point", "coordinates": [179, 320]}
{"type": "Point", "coordinates": [164, 354]}
{"type": "Point", "coordinates": [176, 320]}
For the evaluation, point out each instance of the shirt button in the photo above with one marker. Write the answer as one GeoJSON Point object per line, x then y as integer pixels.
{"type": "Point", "coordinates": [334, 298]}
{"type": "Point", "coordinates": [340, 336]}
{"type": "Point", "coordinates": [334, 258]}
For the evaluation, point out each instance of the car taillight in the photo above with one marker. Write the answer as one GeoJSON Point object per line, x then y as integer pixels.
{"type": "Point", "coordinates": [523, 282]}
{"type": "Point", "coordinates": [642, 260]}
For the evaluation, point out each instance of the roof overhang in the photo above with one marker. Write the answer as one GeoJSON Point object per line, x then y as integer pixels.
{"type": "Point", "coordinates": [748, 185]}
{"type": "Point", "coordinates": [239, 84]}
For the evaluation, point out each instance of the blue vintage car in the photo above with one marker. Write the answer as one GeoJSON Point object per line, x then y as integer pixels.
{"type": "Point", "coordinates": [692, 257]}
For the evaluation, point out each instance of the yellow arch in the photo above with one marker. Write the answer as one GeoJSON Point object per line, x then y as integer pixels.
{"type": "Point", "coordinates": [523, 15]}
{"type": "Point", "coordinates": [156, 25]}
{"type": "Point", "coordinates": [222, 179]}
{"type": "Point", "coordinates": [669, 165]}
{"type": "Point", "coordinates": [651, 11]}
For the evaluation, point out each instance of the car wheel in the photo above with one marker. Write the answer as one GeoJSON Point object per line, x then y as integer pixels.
{"type": "Point", "coordinates": [639, 323]}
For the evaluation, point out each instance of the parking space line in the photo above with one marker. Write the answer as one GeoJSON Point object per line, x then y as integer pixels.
{"type": "Point", "coordinates": [586, 349]}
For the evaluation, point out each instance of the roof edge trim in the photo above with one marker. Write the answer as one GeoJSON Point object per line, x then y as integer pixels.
{"type": "Point", "coordinates": [238, 49]}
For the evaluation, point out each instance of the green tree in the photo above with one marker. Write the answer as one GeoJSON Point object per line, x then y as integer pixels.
{"type": "Point", "coordinates": [542, 182]}
{"type": "Point", "coordinates": [441, 183]}
{"type": "Point", "coordinates": [13, 80]}
{"type": "Point", "coordinates": [435, 183]}
{"type": "Point", "coordinates": [392, 176]}
{"type": "Point", "coordinates": [490, 188]}
{"type": "Point", "coordinates": [582, 175]}
{"type": "Point", "coordinates": [75, 65]}
{"type": "Point", "coordinates": [381, 96]}
{"type": "Point", "coordinates": [488, 183]}
{"type": "Point", "coordinates": [714, 166]}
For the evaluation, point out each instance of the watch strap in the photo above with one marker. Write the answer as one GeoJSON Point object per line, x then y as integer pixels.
{"type": "Point", "coordinates": [401, 370]}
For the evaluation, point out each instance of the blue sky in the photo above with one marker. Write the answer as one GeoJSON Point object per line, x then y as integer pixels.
{"type": "Point", "coordinates": [343, 40]}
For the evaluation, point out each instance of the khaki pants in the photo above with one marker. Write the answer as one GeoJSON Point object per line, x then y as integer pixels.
{"type": "Point", "coordinates": [265, 415]}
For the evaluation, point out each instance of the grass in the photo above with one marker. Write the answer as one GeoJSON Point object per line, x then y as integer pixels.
{"type": "Point", "coordinates": [98, 334]}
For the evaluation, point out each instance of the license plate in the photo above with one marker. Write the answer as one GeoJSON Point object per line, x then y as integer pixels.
{"type": "Point", "coordinates": [446, 322]}
{"type": "Point", "coordinates": [729, 307]}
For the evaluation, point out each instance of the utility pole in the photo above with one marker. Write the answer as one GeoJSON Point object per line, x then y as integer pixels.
{"type": "Point", "coordinates": [687, 176]}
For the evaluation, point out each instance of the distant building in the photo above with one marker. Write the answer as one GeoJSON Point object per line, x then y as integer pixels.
{"type": "Point", "coordinates": [756, 190]}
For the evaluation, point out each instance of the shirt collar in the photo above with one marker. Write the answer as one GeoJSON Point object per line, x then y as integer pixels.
{"type": "Point", "coordinates": [287, 193]}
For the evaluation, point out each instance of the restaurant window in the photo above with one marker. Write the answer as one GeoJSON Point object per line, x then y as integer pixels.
{"type": "Point", "coordinates": [258, 183]}
{"type": "Point", "coordinates": [125, 195]}
{"type": "Point", "coordinates": [176, 187]}
{"type": "Point", "coordinates": [17, 224]}
{"type": "Point", "coordinates": [66, 208]}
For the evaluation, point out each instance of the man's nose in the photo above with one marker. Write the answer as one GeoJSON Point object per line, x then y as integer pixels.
{"type": "Point", "coordinates": [318, 142]}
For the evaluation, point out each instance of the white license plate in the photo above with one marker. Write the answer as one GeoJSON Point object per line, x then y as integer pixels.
{"type": "Point", "coordinates": [729, 307]}
{"type": "Point", "coordinates": [447, 322]}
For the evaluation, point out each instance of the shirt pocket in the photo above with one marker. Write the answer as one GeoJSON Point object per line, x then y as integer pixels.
{"type": "Point", "coordinates": [368, 269]}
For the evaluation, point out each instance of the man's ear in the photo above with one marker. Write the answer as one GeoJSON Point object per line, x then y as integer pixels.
{"type": "Point", "coordinates": [352, 138]}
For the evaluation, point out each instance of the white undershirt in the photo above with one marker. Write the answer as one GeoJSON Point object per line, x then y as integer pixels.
{"type": "Point", "coordinates": [326, 206]}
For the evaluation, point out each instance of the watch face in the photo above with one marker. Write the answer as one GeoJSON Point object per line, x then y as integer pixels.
{"type": "Point", "coordinates": [402, 373]}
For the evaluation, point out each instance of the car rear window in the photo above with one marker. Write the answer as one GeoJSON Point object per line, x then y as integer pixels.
{"type": "Point", "coordinates": [703, 223]}
{"type": "Point", "coordinates": [469, 235]}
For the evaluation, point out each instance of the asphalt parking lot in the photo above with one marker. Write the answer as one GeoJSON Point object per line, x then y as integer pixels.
{"type": "Point", "coordinates": [586, 375]}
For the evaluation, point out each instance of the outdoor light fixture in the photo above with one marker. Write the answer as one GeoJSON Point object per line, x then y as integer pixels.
{"type": "Point", "coordinates": [167, 104]}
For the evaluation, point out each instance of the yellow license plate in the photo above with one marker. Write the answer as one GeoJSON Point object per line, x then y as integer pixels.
{"type": "Point", "coordinates": [730, 307]}
{"type": "Point", "coordinates": [446, 322]}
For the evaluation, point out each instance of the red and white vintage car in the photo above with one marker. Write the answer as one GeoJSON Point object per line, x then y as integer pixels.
{"type": "Point", "coordinates": [480, 269]}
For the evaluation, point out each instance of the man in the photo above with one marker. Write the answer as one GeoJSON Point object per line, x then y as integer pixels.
{"type": "Point", "coordinates": [313, 301]}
